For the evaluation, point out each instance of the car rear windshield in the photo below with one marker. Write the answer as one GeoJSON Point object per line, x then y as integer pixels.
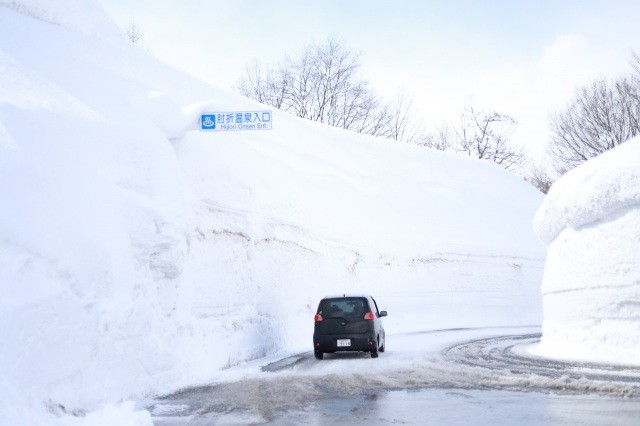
{"type": "Point", "coordinates": [343, 307]}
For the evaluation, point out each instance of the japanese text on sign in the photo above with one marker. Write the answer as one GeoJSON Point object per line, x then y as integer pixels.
{"type": "Point", "coordinates": [232, 121]}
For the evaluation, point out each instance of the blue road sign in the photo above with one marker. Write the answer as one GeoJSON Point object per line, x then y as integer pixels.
{"type": "Point", "coordinates": [236, 120]}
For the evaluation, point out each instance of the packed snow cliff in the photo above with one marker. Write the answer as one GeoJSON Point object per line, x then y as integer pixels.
{"type": "Point", "coordinates": [590, 221]}
{"type": "Point", "coordinates": [138, 254]}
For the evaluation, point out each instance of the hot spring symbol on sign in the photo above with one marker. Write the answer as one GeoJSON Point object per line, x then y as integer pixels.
{"type": "Point", "coordinates": [208, 122]}
{"type": "Point", "coordinates": [237, 120]}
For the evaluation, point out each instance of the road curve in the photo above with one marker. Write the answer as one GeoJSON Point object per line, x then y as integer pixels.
{"type": "Point", "coordinates": [500, 365]}
{"type": "Point", "coordinates": [298, 381]}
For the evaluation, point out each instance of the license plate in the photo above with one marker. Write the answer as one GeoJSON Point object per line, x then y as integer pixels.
{"type": "Point", "coordinates": [343, 343]}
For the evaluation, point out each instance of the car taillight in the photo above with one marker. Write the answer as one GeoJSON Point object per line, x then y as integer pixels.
{"type": "Point", "coordinates": [369, 316]}
{"type": "Point", "coordinates": [318, 318]}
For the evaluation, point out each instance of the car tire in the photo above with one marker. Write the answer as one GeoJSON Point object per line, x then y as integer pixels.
{"type": "Point", "coordinates": [319, 355]}
{"type": "Point", "coordinates": [382, 348]}
{"type": "Point", "coordinates": [374, 351]}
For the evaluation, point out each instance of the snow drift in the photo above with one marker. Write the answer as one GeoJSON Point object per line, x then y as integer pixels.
{"type": "Point", "coordinates": [138, 254]}
{"type": "Point", "coordinates": [590, 221]}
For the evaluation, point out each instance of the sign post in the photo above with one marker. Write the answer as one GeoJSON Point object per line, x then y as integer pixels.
{"type": "Point", "coordinates": [236, 120]}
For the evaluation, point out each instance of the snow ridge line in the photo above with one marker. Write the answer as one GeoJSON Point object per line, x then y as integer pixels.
{"type": "Point", "coordinates": [268, 220]}
{"type": "Point", "coordinates": [306, 239]}
{"type": "Point", "coordinates": [593, 288]}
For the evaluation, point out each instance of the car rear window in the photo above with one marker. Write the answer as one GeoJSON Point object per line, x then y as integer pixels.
{"type": "Point", "coordinates": [343, 307]}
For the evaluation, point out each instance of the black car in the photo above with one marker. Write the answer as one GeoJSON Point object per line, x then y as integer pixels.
{"type": "Point", "coordinates": [348, 323]}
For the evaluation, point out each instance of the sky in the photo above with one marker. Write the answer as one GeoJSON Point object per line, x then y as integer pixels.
{"type": "Point", "coordinates": [524, 59]}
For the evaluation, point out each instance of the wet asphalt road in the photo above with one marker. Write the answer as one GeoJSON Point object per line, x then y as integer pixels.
{"type": "Point", "coordinates": [469, 382]}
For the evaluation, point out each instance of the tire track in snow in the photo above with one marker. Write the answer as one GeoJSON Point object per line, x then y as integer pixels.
{"type": "Point", "coordinates": [298, 381]}
{"type": "Point", "coordinates": [503, 358]}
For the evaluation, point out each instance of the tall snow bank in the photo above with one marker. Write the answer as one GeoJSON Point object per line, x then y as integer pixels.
{"type": "Point", "coordinates": [590, 221]}
{"type": "Point", "coordinates": [92, 217]}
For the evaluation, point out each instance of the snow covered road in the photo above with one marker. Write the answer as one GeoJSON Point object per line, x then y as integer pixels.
{"type": "Point", "coordinates": [508, 365]}
{"type": "Point", "coordinates": [459, 376]}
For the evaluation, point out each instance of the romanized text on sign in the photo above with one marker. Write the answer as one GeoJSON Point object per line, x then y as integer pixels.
{"type": "Point", "coordinates": [232, 121]}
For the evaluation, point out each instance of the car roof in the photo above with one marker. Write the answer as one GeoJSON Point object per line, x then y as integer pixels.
{"type": "Point", "coordinates": [341, 296]}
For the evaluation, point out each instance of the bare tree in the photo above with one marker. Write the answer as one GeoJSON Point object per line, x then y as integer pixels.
{"type": "Point", "coordinates": [134, 32]}
{"type": "Point", "coordinates": [441, 138]}
{"type": "Point", "coordinates": [402, 123]}
{"type": "Point", "coordinates": [539, 177]}
{"type": "Point", "coordinates": [136, 36]}
{"type": "Point", "coordinates": [321, 84]}
{"type": "Point", "coordinates": [487, 136]}
{"type": "Point", "coordinates": [635, 75]}
{"type": "Point", "coordinates": [635, 64]}
{"type": "Point", "coordinates": [264, 84]}
{"type": "Point", "coordinates": [600, 117]}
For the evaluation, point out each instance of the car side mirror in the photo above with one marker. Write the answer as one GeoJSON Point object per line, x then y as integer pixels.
{"type": "Point", "coordinates": [383, 313]}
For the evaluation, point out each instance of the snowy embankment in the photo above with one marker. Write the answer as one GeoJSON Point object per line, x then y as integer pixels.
{"type": "Point", "coordinates": [139, 255]}
{"type": "Point", "coordinates": [590, 221]}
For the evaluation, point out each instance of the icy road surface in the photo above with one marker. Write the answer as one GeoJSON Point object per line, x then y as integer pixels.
{"type": "Point", "coordinates": [464, 376]}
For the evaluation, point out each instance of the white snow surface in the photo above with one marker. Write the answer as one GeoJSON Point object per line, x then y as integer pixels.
{"type": "Point", "coordinates": [88, 17]}
{"type": "Point", "coordinates": [590, 221]}
{"type": "Point", "coordinates": [138, 254]}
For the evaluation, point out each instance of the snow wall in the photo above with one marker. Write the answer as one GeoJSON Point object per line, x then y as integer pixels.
{"type": "Point", "coordinates": [590, 221]}
{"type": "Point", "coordinates": [139, 255]}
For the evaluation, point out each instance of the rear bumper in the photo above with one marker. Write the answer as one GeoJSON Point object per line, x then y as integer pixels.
{"type": "Point", "coordinates": [329, 343]}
